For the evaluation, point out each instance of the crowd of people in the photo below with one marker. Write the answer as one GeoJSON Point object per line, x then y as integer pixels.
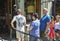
{"type": "Point", "coordinates": [47, 25]}
{"type": "Point", "coordinates": [50, 26]}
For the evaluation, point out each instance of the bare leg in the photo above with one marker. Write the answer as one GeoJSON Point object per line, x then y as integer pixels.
{"type": "Point", "coordinates": [59, 36]}
{"type": "Point", "coordinates": [48, 38]}
{"type": "Point", "coordinates": [54, 36]}
{"type": "Point", "coordinates": [22, 39]}
{"type": "Point", "coordinates": [19, 39]}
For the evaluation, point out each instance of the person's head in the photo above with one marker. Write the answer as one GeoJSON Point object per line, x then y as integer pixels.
{"type": "Point", "coordinates": [15, 7]}
{"type": "Point", "coordinates": [57, 17]}
{"type": "Point", "coordinates": [19, 11]}
{"type": "Point", "coordinates": [45, 11]}
{"type": "Point", "coordinates": [34, 16]}
{"type": "Point", "coordinates": [52, 18]}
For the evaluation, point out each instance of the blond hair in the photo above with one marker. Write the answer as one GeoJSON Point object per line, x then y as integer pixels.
{"type": "Point", "coordinates": [19, 10]}
{"type": "Point", "coordinates": [45, 9]}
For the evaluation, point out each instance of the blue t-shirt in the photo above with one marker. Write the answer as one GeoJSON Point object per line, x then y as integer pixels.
{"type": "Point", "coordinates": [43, 22]}
{"type": "Point", "coordinates": [35, 28]}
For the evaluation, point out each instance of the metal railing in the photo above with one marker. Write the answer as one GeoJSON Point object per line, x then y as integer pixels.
{"type": "Point", "coordinates": [26, 34]}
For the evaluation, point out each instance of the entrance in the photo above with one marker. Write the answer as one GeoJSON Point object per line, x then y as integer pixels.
{"type": "Point", "coordinates": [5, 17]}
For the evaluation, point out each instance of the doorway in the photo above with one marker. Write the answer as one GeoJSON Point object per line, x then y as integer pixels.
{"type": "Point", "coordinates": [5, 12]}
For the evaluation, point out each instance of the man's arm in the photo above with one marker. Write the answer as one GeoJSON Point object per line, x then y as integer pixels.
{"type": "Point", "coordinates": [24, 21]}
{"type": "Point", "coordinates": [31, 26]}
{"type": "Point", "coordinates": [47, 28]}
{"type": "Point", "coordinates": [12, 22]}
{"type": "Point", "coordinates": [48, 21]}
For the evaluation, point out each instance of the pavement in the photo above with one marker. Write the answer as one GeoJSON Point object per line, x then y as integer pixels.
{"type": "Point", "coordinates": [11, 40]}
{"type": "Point", "coordinates": [8, 40]}
{"type": "Point", "coordinates": [45, 39]}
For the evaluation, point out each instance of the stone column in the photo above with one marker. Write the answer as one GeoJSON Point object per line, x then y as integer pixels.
{"type": "Point", "coordinates": [20, 5]}
{"type": "Point", "coordinates": [50, 8]}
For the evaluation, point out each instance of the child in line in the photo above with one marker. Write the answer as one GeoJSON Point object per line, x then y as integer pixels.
{"type": "Point", "coordinates": [50, 26]}
{"type": "Point", "coordinates": [34, 28]}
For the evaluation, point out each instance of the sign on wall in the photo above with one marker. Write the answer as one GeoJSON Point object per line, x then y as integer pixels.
{"type": "Point", "coordinates": [30, 9]}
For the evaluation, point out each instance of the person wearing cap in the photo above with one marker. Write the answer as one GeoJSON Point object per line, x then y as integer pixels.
{"type": "Point", "coordinates": [34, 28]}
{"type": "Point", "coordinates": [14, 13]}
{"type": "Point", "coordinates": [44, 22]}
{"type": "Point", "coordinates": [20, 24]}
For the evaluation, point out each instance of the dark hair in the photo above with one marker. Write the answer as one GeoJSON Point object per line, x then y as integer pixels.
{"type": "Point", "coordinates": [35, 15]}
{"type": "Point", "coordinates": [52, 17]}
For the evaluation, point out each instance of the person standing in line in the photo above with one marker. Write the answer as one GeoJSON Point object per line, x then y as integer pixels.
{"type": "Point", "coordinates": [50, 29]}
{"type": "Point", "coordinates": [34, 28]}
{"type": "Point", "coordinates": [20, 24]}
{"type": "Point", "coordinates": [57, 27]}
{"type": "Point", "coordinates": [43, 22]}
{"type": "Point", "coordinates": [14, 13]}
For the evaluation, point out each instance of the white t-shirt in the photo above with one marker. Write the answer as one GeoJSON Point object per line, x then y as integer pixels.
{"type": "Point", "coordinates": [20, 19]}
{"type": "Point", "coordinates": [57, 25]}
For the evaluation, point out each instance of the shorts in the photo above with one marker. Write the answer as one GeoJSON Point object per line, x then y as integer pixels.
{"type": "Point", "coordinates": [19, 35]}
{"type": "Point", "coordinates": [57, 30]}
{"type": "Point", "coordinates": [33, 38]}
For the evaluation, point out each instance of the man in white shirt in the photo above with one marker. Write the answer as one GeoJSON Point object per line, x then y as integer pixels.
{"type": "Point", "coordinates": [20, 23]}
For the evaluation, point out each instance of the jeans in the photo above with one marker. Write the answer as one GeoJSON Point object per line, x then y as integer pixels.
{"type": "Point", "coordinates": [33, 38]}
